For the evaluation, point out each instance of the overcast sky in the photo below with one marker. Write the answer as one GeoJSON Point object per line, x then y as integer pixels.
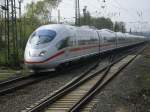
{"type": "Point", "coordinates": [135, 13]}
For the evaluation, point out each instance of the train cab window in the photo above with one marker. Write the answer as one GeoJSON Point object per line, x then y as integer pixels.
{"type": "Point", "coordinates": [42, 37]}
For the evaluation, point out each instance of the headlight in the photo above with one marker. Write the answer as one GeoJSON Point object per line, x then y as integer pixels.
{"type": "Point", "coordinates": [42, 53]}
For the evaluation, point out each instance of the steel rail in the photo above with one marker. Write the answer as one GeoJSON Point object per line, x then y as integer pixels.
{"type": "Point", "coordinates": [9, 81]}
{"type": "Point", "coordinates": [19, 83]}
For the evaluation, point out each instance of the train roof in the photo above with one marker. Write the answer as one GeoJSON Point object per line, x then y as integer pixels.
{"type": "Point", "coordinates": [88, 27]}
{"type": "Point", "coordinates": [104, 32]}
{"type": "Point", "coordinates": [56, 27]}
{"type": "Point", "coordinates": [107, 33]}
{"type": "Point", "coordinates": [107, 30]}
{"type": "Point", "coordinates": [120, 34]}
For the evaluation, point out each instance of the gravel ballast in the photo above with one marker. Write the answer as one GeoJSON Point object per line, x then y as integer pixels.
{"type": "Point", "coordinates": [130, 90]}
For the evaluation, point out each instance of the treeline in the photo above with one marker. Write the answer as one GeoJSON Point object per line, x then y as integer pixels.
{"type": "Point", "coordinates": [101, 23]}
{"type": "Point", "coordinates": [40, 12]}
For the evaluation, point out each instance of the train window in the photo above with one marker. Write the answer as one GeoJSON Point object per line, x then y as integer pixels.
{"type": "Point", "coordinates": [42, 36]}
{"type": "Point", "coordinates": [112, 39]}
{"type": "Point", "coordinates": [105, 38]}
{"type": "Point", "coordinates": [62, 44]}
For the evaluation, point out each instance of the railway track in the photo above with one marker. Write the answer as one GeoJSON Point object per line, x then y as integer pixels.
{"type": "Point", "coordinates": [75, 95]}
{"type": "Point", "coordinates": [3, 83]}
{"type": "Point", "coordinates": [20, 82]}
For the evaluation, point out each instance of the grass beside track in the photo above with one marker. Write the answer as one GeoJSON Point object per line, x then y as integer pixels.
{"type": "Point", "coordinates": [10, 73]}
{"type": "Point", "coordinates": [141, 97]}
{"type": "Point", "coordinates": [130, 92]}
{"type": "Point", "coordinates": [144, 70]}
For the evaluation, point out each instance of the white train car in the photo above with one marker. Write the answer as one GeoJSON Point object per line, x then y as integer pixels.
{"type": "Point", "coordinates": [107, 39]}
{"type": "Point", "coordinates": [51, 45]}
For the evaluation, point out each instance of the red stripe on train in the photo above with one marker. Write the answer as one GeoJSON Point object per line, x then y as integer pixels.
{"type": "Point", "coordinates": [87, 47]}
{"type": "Point", "coordinates": [52, 57]}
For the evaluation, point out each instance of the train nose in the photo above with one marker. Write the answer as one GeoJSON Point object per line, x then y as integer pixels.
{"type": "Point", "coordinates": [34, 59]}
{"type": "Point", "coordinates": [34, 55]}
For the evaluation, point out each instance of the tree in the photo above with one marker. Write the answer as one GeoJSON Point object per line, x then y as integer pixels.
{"type": "Point", "coordinates": [86, 19]}
{"type": "Point", "coordinates": [42, 10]}
{"type": "Point", "coordinates": [99, 23]}
{"type": "Point", "coordinates": [119, 26]}
{"type": "Point", "coordinates": [102, 22]}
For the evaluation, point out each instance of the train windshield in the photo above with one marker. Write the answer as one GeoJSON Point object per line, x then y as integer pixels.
{"type": "Point", "coordinates": [42, 37]}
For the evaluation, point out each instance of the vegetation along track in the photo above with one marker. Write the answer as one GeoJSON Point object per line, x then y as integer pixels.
{"type": "Point", "coordinates": [73, 96]}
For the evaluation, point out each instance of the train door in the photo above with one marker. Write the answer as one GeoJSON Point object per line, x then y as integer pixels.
{"type": "Point", "coordinates": [69, 44]}
{"type": "Point", "coordinates": [66, 44]}
{"type": "Point", "coordinates": [72, 42]}
{"type": "Point", "coordinates": [116, 42]}
{"type": "Point", "coordinates": [99, 41]}
{"type": "Point", "coordinates": [66, 50]}
{"type": "Point", "coordinates": [63, 44]}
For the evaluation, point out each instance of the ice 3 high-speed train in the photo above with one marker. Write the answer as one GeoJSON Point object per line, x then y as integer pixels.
{"type": "Point", "coordinates": [51, 45]}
